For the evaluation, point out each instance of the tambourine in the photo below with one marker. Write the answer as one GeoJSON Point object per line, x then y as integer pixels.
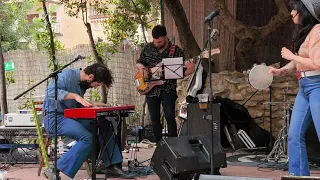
{"type": "Point", "coordinates": [259, 77]}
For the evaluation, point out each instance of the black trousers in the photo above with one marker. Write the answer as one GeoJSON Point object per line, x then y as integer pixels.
{"type": "Point", "coordinates": [168, 101]}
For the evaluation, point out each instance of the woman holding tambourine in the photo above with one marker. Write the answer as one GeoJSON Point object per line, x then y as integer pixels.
{"type": "Point", "coordinates": [304, 57]}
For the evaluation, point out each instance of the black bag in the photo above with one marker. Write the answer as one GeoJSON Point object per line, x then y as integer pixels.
{"type": "Point", "coordinates": [237, 115]}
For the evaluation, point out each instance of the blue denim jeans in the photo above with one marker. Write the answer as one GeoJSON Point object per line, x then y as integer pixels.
{"type": "Point", "coordinates": [79, 130]}
{"type": "Point", "coordinates": [306, 108]}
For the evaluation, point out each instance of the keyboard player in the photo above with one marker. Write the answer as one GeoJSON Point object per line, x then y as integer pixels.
{"type": "Point", "coordinates": [72, 85]}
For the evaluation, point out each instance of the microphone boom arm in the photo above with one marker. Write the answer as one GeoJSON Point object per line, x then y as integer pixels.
{"type": "Point", "coordinates": [53, 74]}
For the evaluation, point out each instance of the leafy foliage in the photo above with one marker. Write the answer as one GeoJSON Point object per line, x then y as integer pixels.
{"type": "Point", "coordinates": [15, 31]}
{"type": "Point", "coordinates": [78, 8]}
{"type": "Point", "coordinates": [10, 79]}
{"type": "Point", "coordinates": [41, 36]}
{"type": "Point", "coordinates": [126, 17]}
{"type": "Point", "coordinates": [94, 95]}
{"type": "Point", "coordinates": [27, 98]}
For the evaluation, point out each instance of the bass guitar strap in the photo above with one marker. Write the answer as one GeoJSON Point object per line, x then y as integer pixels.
{"type": "Point", "coordinates": [173, 48]}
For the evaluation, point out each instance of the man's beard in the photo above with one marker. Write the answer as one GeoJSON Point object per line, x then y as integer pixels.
{"type": "Point", "coordinates": [162, 46]}
{"type": "Point", "coordinates": [85, 85]}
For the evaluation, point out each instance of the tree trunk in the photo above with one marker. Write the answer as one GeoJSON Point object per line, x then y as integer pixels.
{"type": "Point", "coordinates": [97, 58]}
{"type": "Point", "coordinates": [3, 90]}
{"type": "Point", "coordinates": [187, 40]}
{"type": "Point", "coordinates": [250, 37]}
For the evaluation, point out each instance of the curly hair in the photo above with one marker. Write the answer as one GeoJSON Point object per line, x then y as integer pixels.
{"type": "Point", "coordinates": [101, 73]}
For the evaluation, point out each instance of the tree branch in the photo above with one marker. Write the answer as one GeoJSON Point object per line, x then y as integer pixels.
{"type": "Point", "coordinates": [3, 89]}
{"type": "Point", "coordinates": [141, 21]}
{"type": "Point", "coordinates": [49, 28]}
{"type": "Point", "coordinates": [82, 13]}
{"type": "Point", "coordinates": [278, 20]}
{"type": "Point", "coordinates": [187, 40]}
{"type": "Point", "coordinates": [250, 36]}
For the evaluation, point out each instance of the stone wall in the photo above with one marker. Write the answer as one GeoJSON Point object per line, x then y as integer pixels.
{"type": "Point", "coordinates": [235, 86]}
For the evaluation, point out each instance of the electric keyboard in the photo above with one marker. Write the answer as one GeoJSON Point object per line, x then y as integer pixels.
{"type": "Point", "coordinates": [95, 112]}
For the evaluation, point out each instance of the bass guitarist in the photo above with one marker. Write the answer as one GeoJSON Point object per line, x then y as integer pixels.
{"type": "Point", "coordinates": [164, 94]}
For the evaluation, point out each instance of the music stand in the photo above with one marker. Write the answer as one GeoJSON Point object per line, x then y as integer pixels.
{"type": "Point", "coordinates": [167, 69]}
{"type": "Point", "coordinates": [155, 73]}
{"type": "Point", "coordinates": [173, 68]}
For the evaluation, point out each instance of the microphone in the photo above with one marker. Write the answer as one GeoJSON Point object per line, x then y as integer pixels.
{"type": "Point", "coordinates": [214, 33]}
{"type": "Point", "coordinates": [213, 14]}
{"type": "Point", "coordinates": [79, 57]}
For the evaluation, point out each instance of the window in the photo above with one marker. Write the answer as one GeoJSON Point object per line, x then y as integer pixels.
{"type": "Point", "coordinates": [31, 17]}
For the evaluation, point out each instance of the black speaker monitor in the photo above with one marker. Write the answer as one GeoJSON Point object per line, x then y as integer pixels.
{"type": "Point", "coordinates": [176, 155]}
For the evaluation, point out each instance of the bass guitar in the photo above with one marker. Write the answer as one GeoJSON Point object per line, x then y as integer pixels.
{"type": "Point", "coordinates": [144, 86]}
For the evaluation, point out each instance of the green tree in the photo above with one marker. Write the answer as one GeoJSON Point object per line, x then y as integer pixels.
{"type": "Point", "coordinates": [41, 37]}
{"type": "Point", "coordinates": [14, 30]}
{"type": "Point", "coordinates": [123, 21]}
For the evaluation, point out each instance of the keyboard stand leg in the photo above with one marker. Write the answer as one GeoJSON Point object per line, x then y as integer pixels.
{"type": "Point", "coordinates": [94, 149]}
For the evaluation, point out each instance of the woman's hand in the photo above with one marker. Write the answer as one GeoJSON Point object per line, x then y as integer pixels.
{"type": "Point", "coordinates": [287, 54]}
{"type": "Point", "coordinates": [276, 71]}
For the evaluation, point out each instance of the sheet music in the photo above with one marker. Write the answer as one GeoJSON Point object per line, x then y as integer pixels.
{"type": "Point", "coordinates": [173, 68]}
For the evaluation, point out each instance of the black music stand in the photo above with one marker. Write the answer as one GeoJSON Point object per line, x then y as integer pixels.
{"type": "Point", "coordinates": [167, 70]}
{"type": "Point", "coordinates": [171, 69]}
{"type": "Point", "coordinates": [156, 75]}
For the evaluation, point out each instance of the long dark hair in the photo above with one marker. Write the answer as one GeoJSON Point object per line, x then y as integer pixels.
{"type": "Point", "coordinates": [306, 23]}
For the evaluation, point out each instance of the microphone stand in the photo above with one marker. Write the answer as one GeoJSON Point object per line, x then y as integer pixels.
{"type": "Point", "coordinates": [213, 37]}
{"type": "Point", "coordinates": [53, 75]}
{"type": "Point", "coordinates": [209, 115]}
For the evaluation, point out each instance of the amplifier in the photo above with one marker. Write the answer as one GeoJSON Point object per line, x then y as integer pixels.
{"type": "Point", "coordinates": [21, 120]}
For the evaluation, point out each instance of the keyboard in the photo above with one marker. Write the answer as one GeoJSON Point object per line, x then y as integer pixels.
{"type": "Point", "coordinates": [95, 112]}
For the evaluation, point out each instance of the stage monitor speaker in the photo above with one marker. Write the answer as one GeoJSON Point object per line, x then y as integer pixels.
{"type": "Point", "coordinates": [299, 178]}
{"type": "Point", "coordinates": [176, 155]}
{"type": "Point", "coordinates": [214, 177]}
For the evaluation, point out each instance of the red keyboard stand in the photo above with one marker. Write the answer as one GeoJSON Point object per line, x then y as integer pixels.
{"type": "Point", "coordinates": [97, 114]}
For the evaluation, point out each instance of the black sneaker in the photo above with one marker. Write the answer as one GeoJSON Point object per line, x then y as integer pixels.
{"type": "Point", "coordinates": [115, 171]}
